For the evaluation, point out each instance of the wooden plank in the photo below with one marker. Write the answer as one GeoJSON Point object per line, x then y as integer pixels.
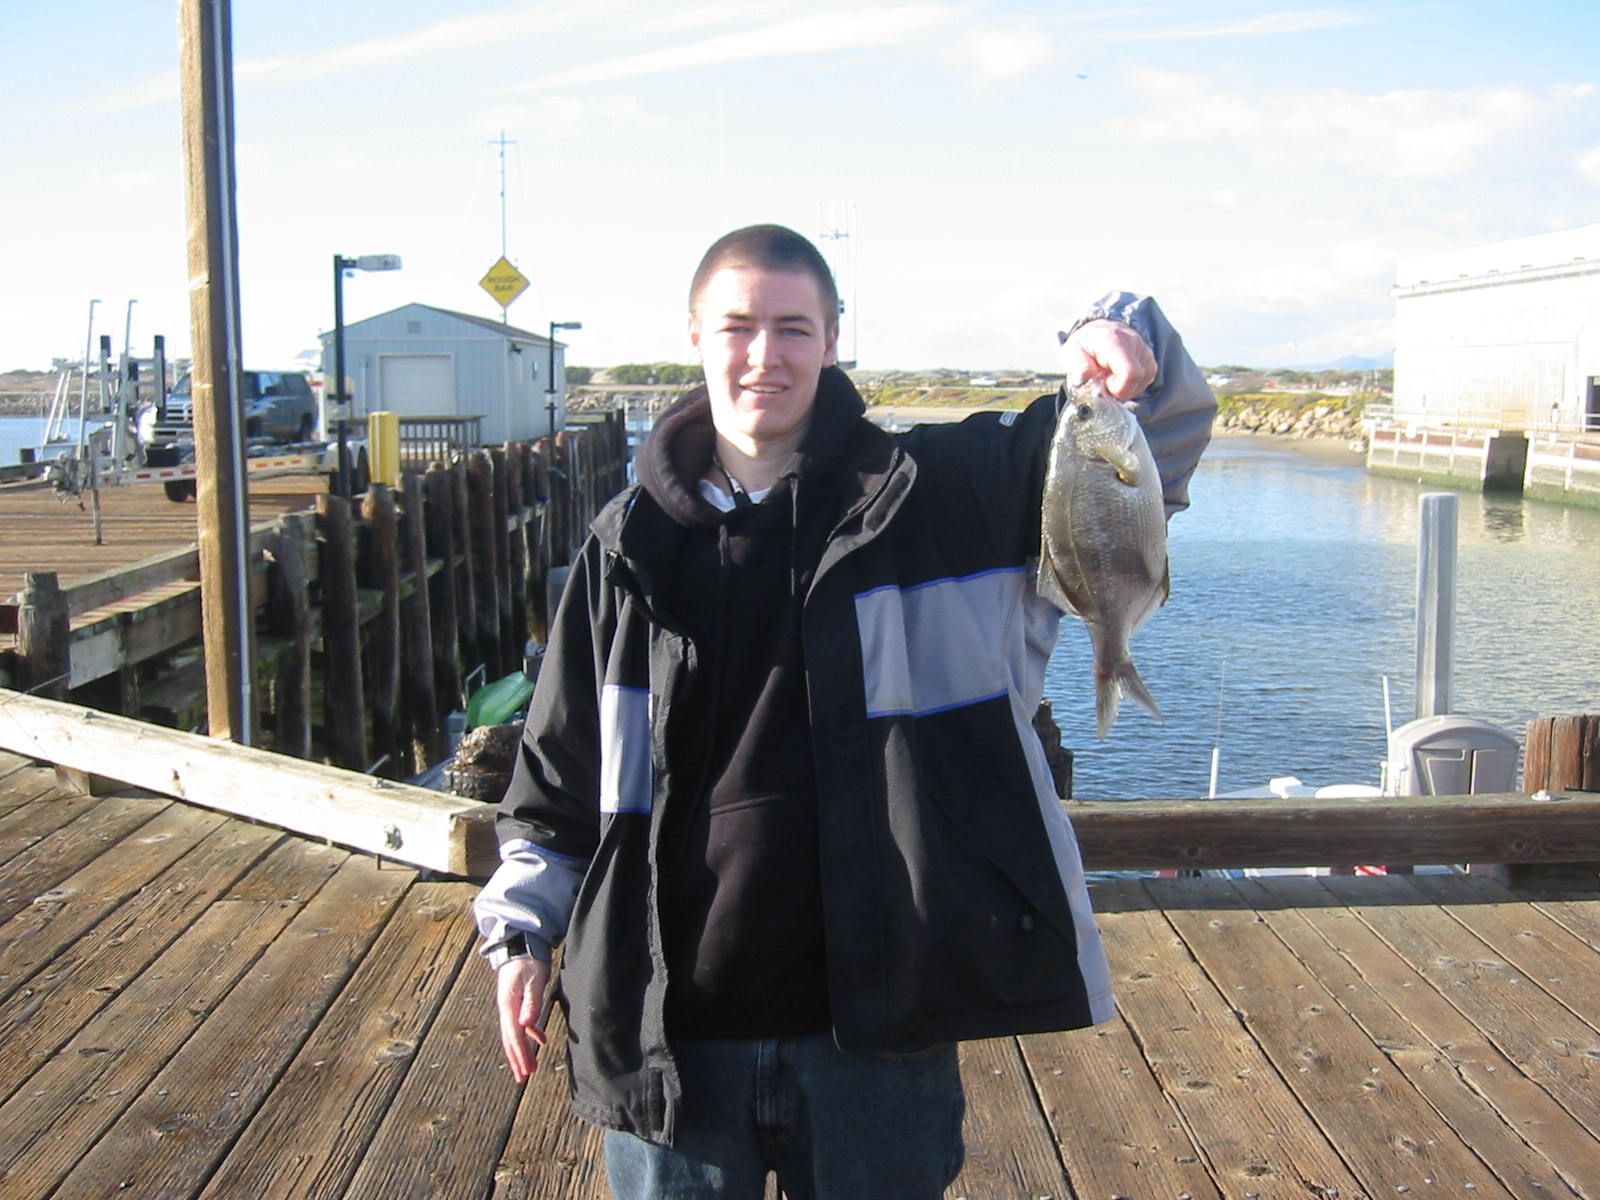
{"type": "Point", "coordinates": [415, 825]}
{"type": "Point", "coordinates": [24, 827]}
{"type": "Point", "coordinates": [1347, 1084]}
{"type": "Point", "coordinates": [1534, 1145]}
{"type": "Point", "coordinates": [85, 829]}
{"type": "Point", "coordinates": [1510, 827]}
{"type": "Point", "coordinates": [442, 1135]}
{"type": "Point", "coordinates": [1559, 961]}
{"type": "Point", "coordinates": [56, 1116]}
{"type": "Point", "coordinates": [40, 1017]}
{"type": "Point", "coordinates": [169, 1140]}
{"type": "Point", "coordinates": [331, 1099]}
{"type": "Point", "coordinates": [1255, 1135]}
{"type": "Point", "coordinates": [550, 1154]}
{"type": "Point", "coordinates": [1523, 1022]}
{"type": "Point", "coordinates": [1009, 1148]}
{"type": "Point", "coordinates": [1117, 1133]}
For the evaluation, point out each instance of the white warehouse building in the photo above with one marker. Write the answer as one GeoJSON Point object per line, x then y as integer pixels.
{"type": "Point", "coordinates": [421, 361]}
{"type": "Point", "coordinates": [1503, 337]}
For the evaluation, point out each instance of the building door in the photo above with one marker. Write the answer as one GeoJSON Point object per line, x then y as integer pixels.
{"type": "Point", "coordinates": [416, 385]}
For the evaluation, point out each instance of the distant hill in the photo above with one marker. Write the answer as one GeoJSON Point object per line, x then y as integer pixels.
{"type": "Point", "coordinates": [1351, 362]}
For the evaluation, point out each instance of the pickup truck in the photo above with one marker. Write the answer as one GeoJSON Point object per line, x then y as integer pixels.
{"type": "Point", "coordinates": [278, 405]}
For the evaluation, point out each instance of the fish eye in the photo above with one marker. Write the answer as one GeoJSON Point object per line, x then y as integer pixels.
{"type": "Point", "coordinates": [1085, 412]}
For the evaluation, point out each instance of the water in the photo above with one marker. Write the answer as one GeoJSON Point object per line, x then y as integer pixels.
{"type": "Point", "coordinates": [17, 432]}
{"type": "Point", "coordinates": [1293, 595]}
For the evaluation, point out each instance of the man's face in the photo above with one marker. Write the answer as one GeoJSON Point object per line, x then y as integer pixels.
{"type": "Point", "coordinates": [763, 338]}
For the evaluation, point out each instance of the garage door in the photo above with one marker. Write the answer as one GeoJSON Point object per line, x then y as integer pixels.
{"type": "Point", "coordinates": [417, 385]}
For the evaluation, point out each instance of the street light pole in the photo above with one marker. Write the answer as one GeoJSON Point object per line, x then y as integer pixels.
{"type": "Point", "coordinates": [341, 264]}
{"type": "Point", "coordinates": [550, 379]}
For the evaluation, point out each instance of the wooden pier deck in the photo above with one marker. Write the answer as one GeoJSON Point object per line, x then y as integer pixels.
{"type": "Point", "coordinates": [39, 532]}
{"type": "Point", "coordinates": [196, 1006]}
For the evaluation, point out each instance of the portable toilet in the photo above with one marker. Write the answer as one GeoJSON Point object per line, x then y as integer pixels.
{"type": "Point", "coordinates": [1451, 756]}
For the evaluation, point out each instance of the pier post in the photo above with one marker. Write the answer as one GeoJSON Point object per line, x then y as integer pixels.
{"type": "Point", "coordinates": [418, 690]}
{"type": "Point", "coordinates": [379, 569]}
{"type": "Point", "coordinates": [500, 516]}
{"type": "Point", "coordinates": [439, 528]}
{"type": "Point", "coordinates": [467, 572]}
{"type": "Point", "coordinates": [1436, 600]}
{"type": "Point", "coordinates": [289, 617]}
{"type": "Point", "coordinates": [44, 636]}
{"type": "Point", "coordinates": [1561, 755]}
{"type": "Point", "coordinates": [517, 548]}
{"type": "Point", "coordinates": [480, 500]}
{"type": "Point", "coordinates": [206, 72]}
{"type": "Point", "coordinates": [344, 711]}
{"type": "Point", "coordinates": [539, 544]}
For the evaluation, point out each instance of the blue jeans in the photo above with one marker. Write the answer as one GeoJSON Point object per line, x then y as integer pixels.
{"type": "Point", "coordinates": [834, 1126]}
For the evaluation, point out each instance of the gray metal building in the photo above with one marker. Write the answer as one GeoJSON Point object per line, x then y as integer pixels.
{"type": "Point", "coordinates": [422, 361]}
{"type": "Point", "coordinates": [1504, 336]}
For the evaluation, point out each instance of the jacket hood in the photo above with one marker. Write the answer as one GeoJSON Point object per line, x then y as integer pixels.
{"type": "Point", "coordinates": [677, 452]}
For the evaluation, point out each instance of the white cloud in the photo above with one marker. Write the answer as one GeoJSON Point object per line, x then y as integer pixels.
{"type": "Point", "coordinates": [1269, 25]}
{"type": "Point", "coordinates": [1414, 134]}
{"type": "Point", "coordinates": [996, 55]}
{"type": "Point", "coordinates": [1588, 164]}
{"type": "Point", "coordinates": [560, 117]}
{"type": "Point", "coordinates": [815, 33]}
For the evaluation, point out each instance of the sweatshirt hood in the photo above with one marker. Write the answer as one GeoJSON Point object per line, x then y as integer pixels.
{"type": "Point", "coordinates": [677, 452]}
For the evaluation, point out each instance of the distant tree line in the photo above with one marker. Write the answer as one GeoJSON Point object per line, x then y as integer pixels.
{"type": "Point", "coordinates": [667, 373]}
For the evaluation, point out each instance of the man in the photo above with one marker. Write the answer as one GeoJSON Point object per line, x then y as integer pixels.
{"type": "Point", "coordinates": [778, 792]}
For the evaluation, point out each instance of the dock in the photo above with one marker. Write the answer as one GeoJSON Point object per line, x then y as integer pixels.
{"type": "Point", "coordinates": [197, 1005]}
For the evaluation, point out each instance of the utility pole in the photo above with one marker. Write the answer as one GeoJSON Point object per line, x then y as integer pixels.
{"type": "Point", "coordinates": [206, 72]}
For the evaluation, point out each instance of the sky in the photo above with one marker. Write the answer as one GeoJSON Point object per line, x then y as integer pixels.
{"type": "Point", "coordinates": [977, 170]}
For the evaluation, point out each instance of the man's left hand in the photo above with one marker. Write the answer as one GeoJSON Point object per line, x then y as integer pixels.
{"type": "Point", "coordinates": [1113, 352]}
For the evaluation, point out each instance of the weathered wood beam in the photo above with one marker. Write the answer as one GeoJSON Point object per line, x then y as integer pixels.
{"type": "Point", "coordinates": [395, 820]}
{"type": "Point", "coordinates": [1508, 828]}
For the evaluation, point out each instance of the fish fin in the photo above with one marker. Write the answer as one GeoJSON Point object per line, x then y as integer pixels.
{"type": "Point", "coordinates": [1122, 680]}
{"type": "Point", "coordinates": [1123, 461]}
{"type": "Point", "coordinates": [1166, 581]}
{"type": "Point", "coordinates": [1049, 586]}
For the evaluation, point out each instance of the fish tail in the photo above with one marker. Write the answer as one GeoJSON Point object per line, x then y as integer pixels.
{"type": "Point", "coordinates": [1122, 679]}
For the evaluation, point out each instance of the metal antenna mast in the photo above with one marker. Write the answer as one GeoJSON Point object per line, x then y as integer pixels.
{"type": "Point", "coordinates": [837, 234]}
{"type": "Point", "coordinates": [503, 142]}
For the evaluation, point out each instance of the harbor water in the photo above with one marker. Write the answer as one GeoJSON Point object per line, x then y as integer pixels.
{"type": "Point", "coordinates": [1293, 596]}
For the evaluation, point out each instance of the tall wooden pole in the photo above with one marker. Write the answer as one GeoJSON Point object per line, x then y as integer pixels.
{"type": "Point", "coordinates": [206, 67]}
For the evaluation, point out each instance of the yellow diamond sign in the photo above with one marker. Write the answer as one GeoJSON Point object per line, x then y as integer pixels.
{"type": "Point", "coordinates": [504, 282]}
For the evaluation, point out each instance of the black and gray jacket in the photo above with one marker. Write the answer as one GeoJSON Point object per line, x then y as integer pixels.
{"type": "Point", "coordinates": [952, 897]}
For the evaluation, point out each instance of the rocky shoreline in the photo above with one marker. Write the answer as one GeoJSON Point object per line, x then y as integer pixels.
{"type": "Point", "coordinates": [1324, 421]}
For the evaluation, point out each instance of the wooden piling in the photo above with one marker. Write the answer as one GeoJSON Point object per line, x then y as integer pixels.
{"type": "Point", "coordinates": [379, 569]}
{"type": "Point", "coordinates": [480, 524]}
{"type": "Point", "coordinates": [1561, 756]}
{"type": "Point", "coordinates": [419, 701]}
{"type": "Point", "coordinates": [344, 707]}
{"type": "Point", "coordinates": [44, 632]}
{"type": "Point", "coordinates": [288, 617]}
{"type": "Point", "coordinates": [500, 515]}
{"type": "Point", "coordinates": [439, 522]}
{"type": "Point", "coordinates": [466, 572]}
{"type": "Point", "coordinates": [206, 72]}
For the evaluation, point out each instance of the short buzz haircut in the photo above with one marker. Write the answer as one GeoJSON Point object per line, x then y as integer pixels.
{"type": "Point", "coordinates": [767, 248]}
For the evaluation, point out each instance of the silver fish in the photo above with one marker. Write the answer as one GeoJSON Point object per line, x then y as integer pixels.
{"type": "Point", "coordinates": [1104, 552]}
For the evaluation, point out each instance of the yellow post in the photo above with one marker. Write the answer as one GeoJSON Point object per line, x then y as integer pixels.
{"type": "Point", "coordinates": [383, 442]}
